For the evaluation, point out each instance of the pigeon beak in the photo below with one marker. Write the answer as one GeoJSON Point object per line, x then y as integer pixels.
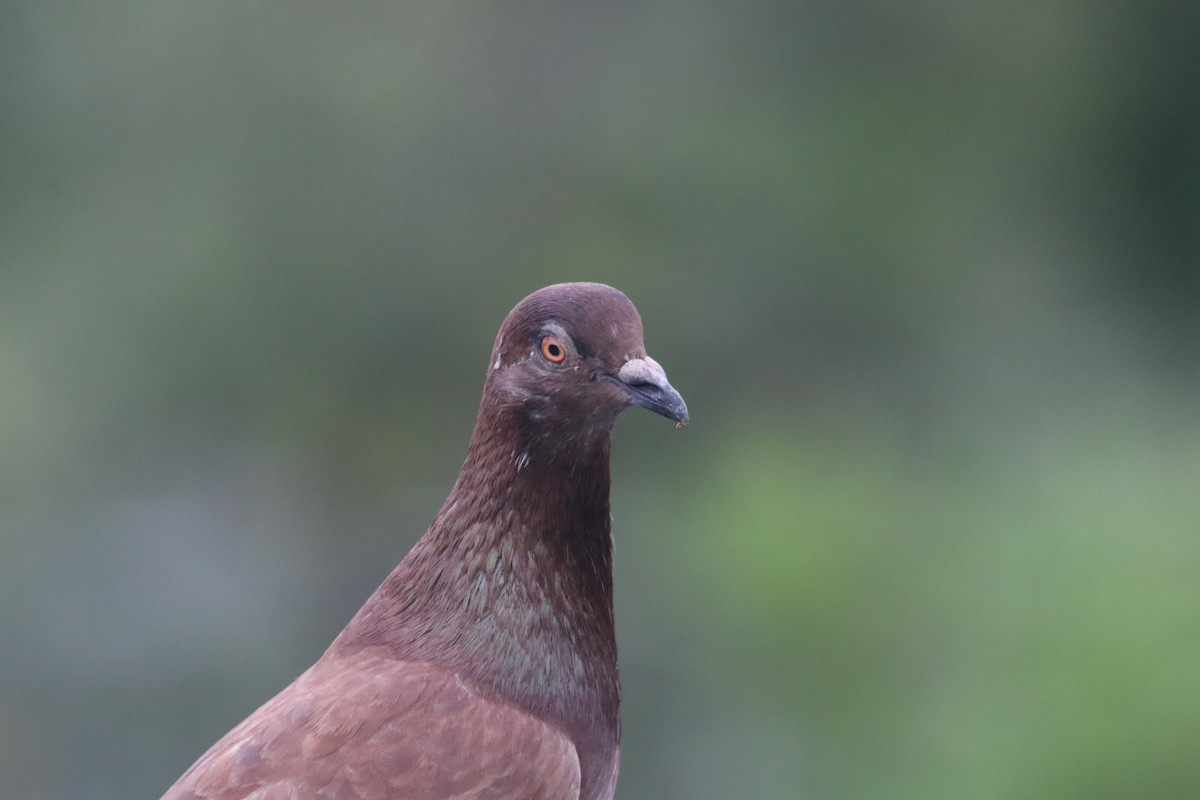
{"type": "Point", "coordinates": [647, 385]}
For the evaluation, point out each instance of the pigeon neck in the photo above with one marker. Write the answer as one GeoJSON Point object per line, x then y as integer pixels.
{"type": "Point", "coordinates": [511, 587]}
{"type": "Point", "coordinates": [530, 516]}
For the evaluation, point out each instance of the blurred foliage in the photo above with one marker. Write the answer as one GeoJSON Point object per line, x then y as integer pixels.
{"type": "Point", "coordinates": [927, 275]}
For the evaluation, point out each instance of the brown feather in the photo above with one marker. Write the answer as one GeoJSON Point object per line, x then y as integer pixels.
{"type": "Point", "coordinates": [367, 726]}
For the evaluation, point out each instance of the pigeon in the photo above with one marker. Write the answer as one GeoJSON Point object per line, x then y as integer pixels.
{"type": "Point", "coordinates": [485, 665]}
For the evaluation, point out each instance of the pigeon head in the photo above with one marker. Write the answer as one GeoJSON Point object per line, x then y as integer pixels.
{"type": "Point", "coordinates": [572, 355]}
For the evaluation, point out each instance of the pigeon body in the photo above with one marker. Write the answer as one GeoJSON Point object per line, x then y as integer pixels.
{"type": "Point", "coordinates": [485, 665]}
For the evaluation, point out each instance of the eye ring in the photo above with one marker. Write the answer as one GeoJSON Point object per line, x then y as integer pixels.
{"type": "Point", "coordinates": [553, 349]}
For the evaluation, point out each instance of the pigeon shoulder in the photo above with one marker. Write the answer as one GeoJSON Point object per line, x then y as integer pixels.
{"type": "Point", "coordinates": [364, 725]}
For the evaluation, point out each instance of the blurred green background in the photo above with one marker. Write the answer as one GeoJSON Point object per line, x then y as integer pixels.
{"type": "Point", "coordinates": [927, 274]}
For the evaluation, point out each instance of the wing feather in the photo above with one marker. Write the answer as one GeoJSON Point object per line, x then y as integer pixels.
{"type": "Point", "coordinates": [368, 727]}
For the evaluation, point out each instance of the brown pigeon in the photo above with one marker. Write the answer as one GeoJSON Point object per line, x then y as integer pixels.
{"type": "Point", "coordinates": [485, 666]}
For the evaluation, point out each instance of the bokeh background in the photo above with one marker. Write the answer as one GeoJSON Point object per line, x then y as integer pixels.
{"type": "Point", "coordinates": [927, 274]}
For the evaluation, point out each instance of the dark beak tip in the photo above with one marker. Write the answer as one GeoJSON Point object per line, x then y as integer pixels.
{"type": "Point", "coordinates": [680, 414]}
{"type": "Point", "coordinates": [670, 404]}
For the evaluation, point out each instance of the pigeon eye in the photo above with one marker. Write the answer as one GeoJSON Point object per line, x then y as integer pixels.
{"type": "Point", "coordinates": [554, 351]}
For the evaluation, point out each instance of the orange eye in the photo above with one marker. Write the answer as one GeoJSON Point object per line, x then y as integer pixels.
{"type": "Point", "coordinates": [554, 350]}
